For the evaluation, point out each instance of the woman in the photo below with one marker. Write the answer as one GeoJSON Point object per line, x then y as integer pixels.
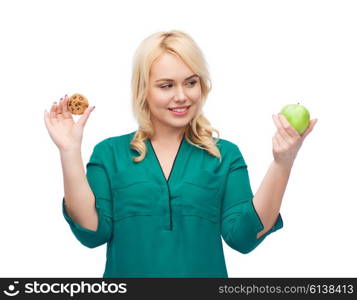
{"type": "Point", "coordinates": [162, 196]}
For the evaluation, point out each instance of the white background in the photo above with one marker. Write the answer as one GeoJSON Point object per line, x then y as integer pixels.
{"type": "Point", "coordinates": [261, 55]}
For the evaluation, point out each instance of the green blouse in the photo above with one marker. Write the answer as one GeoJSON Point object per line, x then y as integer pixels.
{"type": "Point", "coordinates": [155, 227]}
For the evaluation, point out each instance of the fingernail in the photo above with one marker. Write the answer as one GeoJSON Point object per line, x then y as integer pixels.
{"type": "Point", "coordinates": [55, 102]}
{"type": "Point", "coordinates": [93, 108]}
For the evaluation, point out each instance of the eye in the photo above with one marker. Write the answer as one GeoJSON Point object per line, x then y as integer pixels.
{"type": "Point", "coordinates": [192, 83]}
{"type": "Point", "coordinates": [164, 86]}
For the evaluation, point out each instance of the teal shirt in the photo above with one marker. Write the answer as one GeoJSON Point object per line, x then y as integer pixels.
{"type": "Point", "coordinates": [155, 227]}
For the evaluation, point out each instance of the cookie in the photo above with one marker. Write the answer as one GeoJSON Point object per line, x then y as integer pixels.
{"type": "Point", "coordinates": [77, 104]}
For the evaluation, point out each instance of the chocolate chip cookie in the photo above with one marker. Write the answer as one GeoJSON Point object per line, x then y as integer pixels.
{"type": "Point", "coordinates": [77, 104]}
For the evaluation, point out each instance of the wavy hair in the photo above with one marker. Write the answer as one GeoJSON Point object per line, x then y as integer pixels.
{"type": "Point", "coordinates": [199, 131]}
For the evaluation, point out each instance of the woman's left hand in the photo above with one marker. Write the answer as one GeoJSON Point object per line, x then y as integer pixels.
{"type": "Point", "coordinates": [287, 141]}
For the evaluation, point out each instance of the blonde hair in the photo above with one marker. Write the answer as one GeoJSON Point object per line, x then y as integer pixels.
{"type": "Point", "coordinates": [199, 130]}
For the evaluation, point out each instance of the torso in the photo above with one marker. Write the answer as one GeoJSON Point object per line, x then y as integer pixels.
{"type": "Point", "coordinates": [166, 156]}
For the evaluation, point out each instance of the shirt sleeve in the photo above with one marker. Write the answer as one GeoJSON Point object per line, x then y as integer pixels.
{"type": "Point", "coordinates": [98, 180]}
{"type": "Point", "coordinates": [240, 222]}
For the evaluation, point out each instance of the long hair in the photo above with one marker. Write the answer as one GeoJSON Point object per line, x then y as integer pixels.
{"type": "Point", "coordinates": [199, 131]}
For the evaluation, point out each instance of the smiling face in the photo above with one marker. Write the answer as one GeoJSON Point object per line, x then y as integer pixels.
{"type": "Point", "coordinates": [172, 84]}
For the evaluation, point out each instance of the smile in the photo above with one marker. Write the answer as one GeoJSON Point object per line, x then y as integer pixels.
{"type": "Point", "coordinates": [179, 111]}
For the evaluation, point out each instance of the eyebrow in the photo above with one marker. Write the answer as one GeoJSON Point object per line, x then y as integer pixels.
{"type": "Point", "coordinates": [167, 79]}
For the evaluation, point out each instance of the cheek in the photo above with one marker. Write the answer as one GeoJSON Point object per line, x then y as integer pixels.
{"type": "Point", "coordinates": [158, 100]}
{"type": "Point", "coordinates": [195, 96]}
{"type": "Point", "coordinates": [195, 93]}
{"type": "Point", "coordinates": [195, 108]}
{"type": "Point", "coordinates": [163, 95]}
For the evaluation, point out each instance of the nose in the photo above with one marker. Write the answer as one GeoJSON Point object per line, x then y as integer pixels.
{"type": "Point", "coordinates": [180, 95]}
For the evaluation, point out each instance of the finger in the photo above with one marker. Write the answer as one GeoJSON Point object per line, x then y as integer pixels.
{"type": "Point", "coordinates": [281, 129]}
{"type": "Point", "coordinates": [276, 142]}
{"type": "Point", "coordinates": [66, 113]}
{"type": "Point", "coordinates": [59, 114]}
{"type": "Point", "coordinates": [65, 101]}
{"type": "Point", "coordinates": [47, 120]}
{"type": "Point", "coordinates": [53, 118]}
{"type": "Point", "coordinates": [83, 120]}
{"type": "Point", "coordinates": [281, 141]}
{"type": "Point", "coordinates": [288, 128]}
{"type": "Point", "coordinates": [309, 129]}
{"type": "Point", "coordinates": [53, 110]}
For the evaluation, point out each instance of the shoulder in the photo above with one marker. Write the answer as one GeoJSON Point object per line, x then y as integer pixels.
{"type": "Point", "coordinates": [232, 153]}
{"type": "Point", "coordinates": [110, 143]}
{"type": "Point", "coordinates": [227, 147]}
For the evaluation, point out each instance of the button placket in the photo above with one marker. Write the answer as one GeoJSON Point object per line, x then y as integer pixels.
{"type": "Point", "coordinates": [167, 216]}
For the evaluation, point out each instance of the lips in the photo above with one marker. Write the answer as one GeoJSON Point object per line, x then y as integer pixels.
{"type": "Point", "coordinates": [180, 107]}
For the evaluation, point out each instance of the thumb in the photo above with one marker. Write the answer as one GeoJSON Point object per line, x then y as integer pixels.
{"type": "Point", "coordinates": [309, 129]}
{"type": "Point", "coordinates": [83, 120]}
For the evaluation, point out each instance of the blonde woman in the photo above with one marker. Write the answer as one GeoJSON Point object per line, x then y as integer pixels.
{"type": "Point", "coordinates": [162, 196]}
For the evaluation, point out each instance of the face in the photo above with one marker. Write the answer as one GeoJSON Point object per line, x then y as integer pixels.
{"type": "Point", "coordinates": [172, 84]}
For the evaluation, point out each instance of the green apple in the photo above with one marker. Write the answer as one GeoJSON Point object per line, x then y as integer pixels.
{"type": "Point", "coordinates": [297, 115]}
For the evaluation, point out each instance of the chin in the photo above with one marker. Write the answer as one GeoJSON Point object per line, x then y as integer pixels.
{"type": "Point", "coordinates": [179, 124]}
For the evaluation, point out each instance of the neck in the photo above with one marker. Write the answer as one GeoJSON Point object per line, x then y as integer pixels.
{"type": "Point", "coordinates": [168, 136]}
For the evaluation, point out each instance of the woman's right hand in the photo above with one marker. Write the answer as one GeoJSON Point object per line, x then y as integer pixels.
{"type": "Point", "coordinates": [65, 133]}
